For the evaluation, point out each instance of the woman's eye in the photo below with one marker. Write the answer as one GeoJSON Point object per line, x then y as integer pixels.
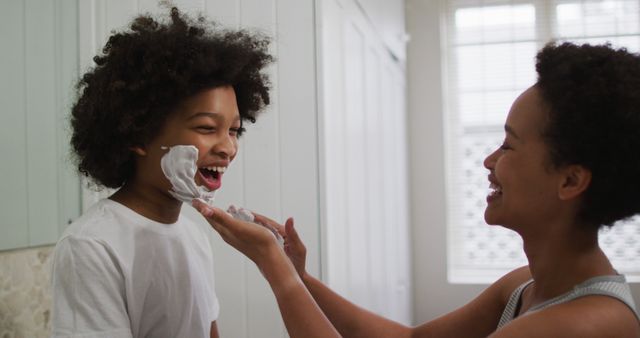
{"type": "Point", "coordinates": [504, 146]}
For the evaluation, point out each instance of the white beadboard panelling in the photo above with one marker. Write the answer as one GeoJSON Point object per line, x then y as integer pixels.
{"type": "Point", "coordinates": [117, 16]}
{"type": "Point", "coordinates": [225, 12]}
{"type": "Point", "coordinates": [13, 182]}
{"type": "Point", "coordinates": [67, 64]}
{"type": "Point", "coordinates": [259, 14]}
{"type": "Point", "coordinates": [298, 129]}
{"type": "Point", "coordinates": [87, 25]}
{"type": "Point", "coordinates": [41, 118]}
{"type": "Point", "coordinates": [262, 176]}
{"type": "Point", "coordinates": [41, 193]}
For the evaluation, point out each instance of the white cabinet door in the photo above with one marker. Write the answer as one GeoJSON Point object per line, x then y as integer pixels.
{"type": "Point", "coordinates": [363, 163]}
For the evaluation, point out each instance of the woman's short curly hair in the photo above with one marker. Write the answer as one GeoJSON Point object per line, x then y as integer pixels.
{"type": "Point", "coordinates": [145, 72]}
{"type": "Point", "coordinates": [593, 94]}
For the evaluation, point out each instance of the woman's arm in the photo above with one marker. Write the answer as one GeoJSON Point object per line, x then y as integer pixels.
{"type": "Point", "coordinates": [214, 330]}
{"type": "Point", "coordinates": [302, 316]}
{"type": "Point", "coordinates": [349, 319]}
{"type": "Point", "coordinates": [478, 318]}
{"type": "Point", "coordinates": [304, 309]}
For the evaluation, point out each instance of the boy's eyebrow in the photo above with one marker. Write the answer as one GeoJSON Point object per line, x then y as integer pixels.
{"type": "Point", "coordinates": [205, 114]}
{"type": "Point", "coordinates": [213, 115]}
{"type": "Point", "coordinates": [509, 130]}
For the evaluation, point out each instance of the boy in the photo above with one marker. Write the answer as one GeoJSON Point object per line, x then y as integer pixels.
{"type": "Point", "coordinates": [131, 266]}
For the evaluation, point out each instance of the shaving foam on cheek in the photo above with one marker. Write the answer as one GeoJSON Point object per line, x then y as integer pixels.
{"type": "Point", "coordinates": [180, 168]}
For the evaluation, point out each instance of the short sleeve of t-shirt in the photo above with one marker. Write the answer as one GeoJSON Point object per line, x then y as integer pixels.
{"type": "Point", "coordinates": [88, 295]}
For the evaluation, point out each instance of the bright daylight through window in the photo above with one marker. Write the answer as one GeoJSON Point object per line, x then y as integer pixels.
{"type": "Point", "coordinates": [490, 50]}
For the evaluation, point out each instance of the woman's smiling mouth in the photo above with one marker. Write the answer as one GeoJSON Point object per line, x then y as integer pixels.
{"type": "Point", "coordinates": [495, 190]}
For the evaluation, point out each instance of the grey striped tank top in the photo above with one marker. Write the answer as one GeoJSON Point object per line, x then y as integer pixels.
{"type": "Point", "coordinates": [613, 286]}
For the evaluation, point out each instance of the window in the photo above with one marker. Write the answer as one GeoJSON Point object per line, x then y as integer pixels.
{"type": "Point", "coordinates": [490, 49]}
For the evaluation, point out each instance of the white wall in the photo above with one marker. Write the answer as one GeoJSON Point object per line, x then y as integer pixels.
{"type": "Point", "coordinates": [434, 296]}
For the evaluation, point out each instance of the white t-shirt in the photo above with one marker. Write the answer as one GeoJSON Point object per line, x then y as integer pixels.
{"type": "Point", "coordinates": [118, 274]}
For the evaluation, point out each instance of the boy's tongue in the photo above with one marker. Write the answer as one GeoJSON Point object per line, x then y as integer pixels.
{"type": "Point", "coordinates": [210, 179]}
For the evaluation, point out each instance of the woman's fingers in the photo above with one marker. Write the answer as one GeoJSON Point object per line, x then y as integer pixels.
{"type": "Point", "coordinates": [293, 239]}
{"type": "Point", "coordinates": [269, 223]}
{"type": "Point", "coordinates": [202, 207]}
{"type": "Point", "coordinates": [218, 219]}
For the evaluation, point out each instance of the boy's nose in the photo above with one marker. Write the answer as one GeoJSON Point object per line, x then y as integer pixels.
{"type": "Point", "coordinates": [226, 148]}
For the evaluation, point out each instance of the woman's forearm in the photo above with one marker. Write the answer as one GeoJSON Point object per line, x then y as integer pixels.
{"type": "Point", "coordinates": [349, 319]}
{"type": "Point", "coordinates": [302, 316]}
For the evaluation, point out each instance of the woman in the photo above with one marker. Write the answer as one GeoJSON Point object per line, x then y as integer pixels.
{"type": "Point", "coordinates": [568, 166]}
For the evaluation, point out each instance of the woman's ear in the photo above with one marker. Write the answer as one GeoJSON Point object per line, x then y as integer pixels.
{"type": "Point", "coordinates": [575, 181]}
{"type": "Point", "coordinates": [139, 150]}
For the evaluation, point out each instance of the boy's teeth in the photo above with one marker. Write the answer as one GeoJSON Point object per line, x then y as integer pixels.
{"type": "Point", "coordinates": [218, 169]}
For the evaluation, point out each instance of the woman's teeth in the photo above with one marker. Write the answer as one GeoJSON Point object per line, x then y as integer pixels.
{"type": "Point", "coordinates": [495, 189]}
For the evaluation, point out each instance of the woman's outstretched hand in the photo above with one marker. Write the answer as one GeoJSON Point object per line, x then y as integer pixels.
{"type": "Point", "coordinates": [254, 241]}
{"type": "Point", "coordinates": [293, 246]}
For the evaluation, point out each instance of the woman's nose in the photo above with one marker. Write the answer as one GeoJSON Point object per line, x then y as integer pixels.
{"type": "Point", "coordinates": [490, 160]}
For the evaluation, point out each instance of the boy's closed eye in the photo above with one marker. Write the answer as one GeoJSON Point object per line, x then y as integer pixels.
{"type": "Point", "coordinates": [237, 132]}
{"type": "Point", "coordinates": [206, 129]}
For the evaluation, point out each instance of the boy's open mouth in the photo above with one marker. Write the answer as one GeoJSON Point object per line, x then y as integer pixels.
{"type": "Point", "coordinates": [211, 177]}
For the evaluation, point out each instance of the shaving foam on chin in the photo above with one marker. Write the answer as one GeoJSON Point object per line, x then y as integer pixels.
{"type": "Point", "coordinates": [180, 168]}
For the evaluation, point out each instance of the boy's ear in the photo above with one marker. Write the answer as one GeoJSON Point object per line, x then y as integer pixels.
{"type": "Point", "coordinates": [139, 150]}
{"type": "Point", "coordinates": [575, 181]}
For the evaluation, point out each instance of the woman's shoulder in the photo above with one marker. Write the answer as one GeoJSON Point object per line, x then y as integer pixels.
{"type": "Point", "coordinates": [593, 316]}
{"type": "Point", "coordinates": [508, 283]}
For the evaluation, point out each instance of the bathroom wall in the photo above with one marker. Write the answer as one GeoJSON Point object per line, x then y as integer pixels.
{"type": "Point", "coordinates": [25, 300]}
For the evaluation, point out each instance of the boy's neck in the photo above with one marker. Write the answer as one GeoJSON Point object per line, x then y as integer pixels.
{"type": "Point", "coordinates": [149, 203]}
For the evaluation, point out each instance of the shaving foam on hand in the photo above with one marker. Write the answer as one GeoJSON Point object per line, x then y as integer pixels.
{"type": "Point", "coordinates": [246, 216]}
{"type": "Point", "coordinates": [179, 165]}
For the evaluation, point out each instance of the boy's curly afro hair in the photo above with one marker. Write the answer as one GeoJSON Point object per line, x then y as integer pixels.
{"type": "Point", "coordinates": [144, 73]}
{"type": "Point", "coordinates": [593, 93]}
